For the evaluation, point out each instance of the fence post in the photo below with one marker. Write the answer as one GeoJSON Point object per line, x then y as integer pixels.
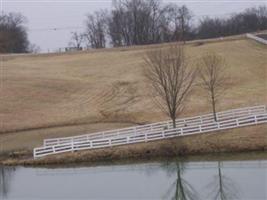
{"type": "Point", "coordinates": [72, 146]}
{"type": "Point", "coordinates": [72, 143]}
{"type": "Point", "coordinates": [167, 125]}
{"type": "Point", "coordinates": [217, 116]}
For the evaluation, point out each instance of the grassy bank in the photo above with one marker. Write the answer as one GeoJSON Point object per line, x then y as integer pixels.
{"type": "Point", "coordinates": [244, 139]}
{"type": "Point", "coordinates": [58, 95]}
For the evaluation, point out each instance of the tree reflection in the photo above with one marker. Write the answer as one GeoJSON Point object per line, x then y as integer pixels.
{"type": "Point", "coordinates": [180, 189]}
{"type": "Point", "coordinates": [223, 187]}
{"type": "Point", "coordinates": [5, 177]}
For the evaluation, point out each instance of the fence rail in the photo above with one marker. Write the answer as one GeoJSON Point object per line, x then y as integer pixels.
{"type": "Point", "coordinates": [159, 126]}
{"type": "Point", "coordinates": [151, 136]}
{"type": "Point", "coordinates": [258, 39]}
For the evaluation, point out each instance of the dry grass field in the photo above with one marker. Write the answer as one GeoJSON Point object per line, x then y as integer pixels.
{"type": "Point", "coordinates": [65, 94]}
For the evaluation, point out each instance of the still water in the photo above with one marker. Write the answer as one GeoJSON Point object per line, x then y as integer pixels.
{"type": "Point", "coordinates": [173, 179]}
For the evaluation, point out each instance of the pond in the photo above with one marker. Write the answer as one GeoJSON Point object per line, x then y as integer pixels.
{"type": "Point", "coordinates": [222, 179]}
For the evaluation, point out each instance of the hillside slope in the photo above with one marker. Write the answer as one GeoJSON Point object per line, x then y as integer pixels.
{"type": "Point", "coordinates": [96, 90]}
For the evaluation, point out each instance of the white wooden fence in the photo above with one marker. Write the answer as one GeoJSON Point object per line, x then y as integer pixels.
{"type": "Point", "coordinates": [154, 134]}
{"type": "Point", "coordinates": [258, 39]}
{"type": "Point", "coordinates": [189, 121]}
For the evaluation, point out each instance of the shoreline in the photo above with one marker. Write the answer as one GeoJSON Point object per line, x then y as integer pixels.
{"type": "Point", "coordinates": [245, 139]}
{"type": "Point", "coordinates": [207, 157]}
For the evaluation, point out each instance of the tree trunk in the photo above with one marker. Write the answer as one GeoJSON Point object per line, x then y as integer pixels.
{"type": "Point", "coordinates": [214, 109]}
{"type": "Point", "coordinates": [174, 122]}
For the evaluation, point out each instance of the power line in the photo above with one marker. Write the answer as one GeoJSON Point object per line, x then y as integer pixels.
{"type": "Point", "coordinates": [56, 28]}
{"type": "Point", "coordinates": [80, 27]}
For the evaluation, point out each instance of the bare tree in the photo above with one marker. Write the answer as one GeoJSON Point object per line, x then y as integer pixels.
{"type": "Point", "coordinates": [179, 19]}
{"type": "Point", "coordinates": [96, 29]}
{"type": "Point", "coordinates": [213, 78]}
{"type": "Point", "coordinates": [33, 48]}
{"type": "Point", "coordinates": [134, 22]}
{"type": "Point", "coordinates": [170, 77]}
{"type": "Point", "coordinates": [76, 40]}
{"type": "Point", "coordinates": [185, 17]}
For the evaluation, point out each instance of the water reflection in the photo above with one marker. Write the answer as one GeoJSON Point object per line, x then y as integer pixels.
{"type": "Point", "coordinates": [6, 174]}
{"type": "Point", "coordinates": [222, 187]}
{"type": "Point", "coordinates": [180, 189]}
{"type": "Point", "coordinates": [170, 180]}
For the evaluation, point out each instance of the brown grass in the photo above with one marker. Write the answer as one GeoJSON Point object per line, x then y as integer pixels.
{"type": "Point", "coordinates": [56, 95]}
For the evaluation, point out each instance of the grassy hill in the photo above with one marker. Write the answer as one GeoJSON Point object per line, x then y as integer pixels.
{"type": "Point", "coordinates": [65, 94]}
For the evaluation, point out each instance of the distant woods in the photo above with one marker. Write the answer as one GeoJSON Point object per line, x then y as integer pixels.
{"type": "Point", "coordinates": [140, 22]}
{"type": "Point", "coordinates": [137, 22]}
{"type": "Point", "coordinates": [13, 34]}
{"type": "Point", "coordinates": [250, 20]}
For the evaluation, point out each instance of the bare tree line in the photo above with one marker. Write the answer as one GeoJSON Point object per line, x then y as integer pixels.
{"type": "Point", "coordinates": [140, 22]}
{"type": "Point", "coordinates": [137, 22]}
{"type": "Point", "coordinates": [250, 20]}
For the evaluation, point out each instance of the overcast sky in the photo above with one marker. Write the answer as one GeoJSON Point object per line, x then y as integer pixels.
{"type": "Point", "coordinates": [67, 16]}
